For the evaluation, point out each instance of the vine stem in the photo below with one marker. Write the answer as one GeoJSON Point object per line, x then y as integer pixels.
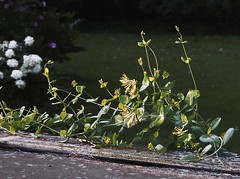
{"type": "Point", "coordinates": [189, 66]}
{"type": "Point", "coordinates": [221, 144]}
{"type": "Point", "coordinates": [188, 61]}
{"type": "Point", "coordinates": [147, 56]}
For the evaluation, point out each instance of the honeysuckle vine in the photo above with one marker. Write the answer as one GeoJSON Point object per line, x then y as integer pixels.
{"type": "Point", "coordinates": [147, 112]}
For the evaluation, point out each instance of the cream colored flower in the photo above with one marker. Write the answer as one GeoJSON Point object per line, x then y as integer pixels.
{"type": "Point", "coordinates": [129, 85]}
{"type": "Point", "coordinates": [129, 116]}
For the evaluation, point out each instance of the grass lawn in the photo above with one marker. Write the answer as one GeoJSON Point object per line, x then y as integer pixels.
{"type": "Point", "coordinates": [215, 63]}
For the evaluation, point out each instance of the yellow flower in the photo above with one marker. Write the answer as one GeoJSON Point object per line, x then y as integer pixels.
{"type": "Point", "coordinates": [74, 83]}
{"type": "Point", "coordinates": [151, 78]}
{"type": "Point", "coordinates": [129, 85]}
{"type": "Point", "coordinates": [102, 84]}
{"type": "Point", "coordinates": [116, 93]}
{"type": "Point", "coordinates": [104, 102]}
{"type": "Point", "coordinates": [129, 116]}
{"type": "Point", "coordinates": [140, 61]}
{"type": "Point", "coordinates": [178, 131]}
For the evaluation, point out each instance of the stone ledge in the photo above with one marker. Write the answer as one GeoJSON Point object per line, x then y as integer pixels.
{"type": "Point", "coordinates": [226, 163]}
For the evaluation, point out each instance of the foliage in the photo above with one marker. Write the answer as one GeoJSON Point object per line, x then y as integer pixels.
{"type": "Point", "coordinates": [17, 61]}
{"type": "Point", "coordinates": [185, 10]}
{"type": "Point", "coordinates": [52, 30]}
{"type": "Point", "coordinates": [54, 34]}
{"type": "Point", "coordinates": [135, 113]}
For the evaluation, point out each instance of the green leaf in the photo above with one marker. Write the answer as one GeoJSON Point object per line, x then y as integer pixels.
{"type": "Point", "coordinates": [161, 148]}
{"type": "Point", "coordinates": [38, 131]}
{"type": "Point", "coordinates": [191, 95]}
{"type": "Point", "coordinates": [114, 139]}
{"type": "Point", "coordinates": [92, 100]}
{"type": "Point", "coordinates": [229, 133]}
{"type": "Point", "coordinates": [140, 113]}
{"type": "Point", "coordinates": [73, 127]}
{"type": "Point", "coordinates": [145, 82]}
{"type": "Point", "coordinates": [102, 111]}
{"type": "Point", "coordinates": [12, 129]}
{"type": "Point", "coordinates": [165, 75]}
{"type": "Point", "coordinates": [80, 111]}
{"type": "Point", "coordinates": [186, 60]}
{"type": "Point", "coordinates": [80, 88]}
{"type": "Point", "coordinates": [209, 138]}
{"type": "Point", "coordinates": [177, 28]}
{"type": "Point", "coordinates": [74, 100]}
{"type": "Point", "coordinates": [63, 114]}
{"type": "Point", "coordinates": [21, 111]}
{"type": "Point", "coordinates": [159, 118]}
{"type": "Point", "coordinates": [118, 119]}
{"type": "Point", "coordinates": [184, 119]}
{"type": "Point", "coordinates": [141, 44]}
{"type": "Point", "coordinates": [185, 138]}
{"type": "Point", "coordinates": [28, 119]}
{"type": "Point", "coordinates": [206, 149]}
{"type": "Point", "coordinates": [215, 123]}
{"type": "Point", "coordinates": [124, 99]}
{"type": "Point", "coordinates": [86, 126]}
{"type": "Point", "coordinates": [157, 122]}
{"type": "Point", "coordinates": [169, 85]}
{"type": "Point", "coordinates": [190, 158]}
{"type": "Point", "coordinates": [148, 42]}
{"type": "Point", "coordinates": [5, 106]}
{"type": "Point", "coordinates": [180, 96]}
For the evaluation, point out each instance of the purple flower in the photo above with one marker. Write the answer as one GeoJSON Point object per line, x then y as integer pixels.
{"type": "Point", "coordinates": [6, 5]}
{"type": "Point", "coordinates": [52, 45]}
{"type": "Point", "coordinates": [35, 24]}
{"type": "Point", "coordinates": [40, 17]}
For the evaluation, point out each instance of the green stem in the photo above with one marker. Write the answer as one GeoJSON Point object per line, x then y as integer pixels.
{"type": "Point", "coordinates": [147, 56]}
{"type": "Point", "coordinates": [189, 66]}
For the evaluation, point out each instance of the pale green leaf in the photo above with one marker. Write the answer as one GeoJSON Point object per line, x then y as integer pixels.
{"type": "Point", "coordinates": [73, 127]}
{"type": "Point", "coordinates": [215, 123]}
{"type": "Point", "coordinates": [190, 158]}
{"type": "Point", "coordinates": [21, 111]}
{"type": "Point", "coordinates": [160, 148]}
{"type": "Point", "coordinates": [145, 82]}
{"type": "Point", "coordinates": [92, 100]}
{"type": "Point", "coordinates": [209, 138]}
{"type": "Point", "coordinates": [229, 133]}
{"type": "Point", "coordinates": [206, 149]}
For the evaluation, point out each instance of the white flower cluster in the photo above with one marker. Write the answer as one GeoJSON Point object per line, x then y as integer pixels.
{"type": "Point", "coordinates": [21, 65]}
